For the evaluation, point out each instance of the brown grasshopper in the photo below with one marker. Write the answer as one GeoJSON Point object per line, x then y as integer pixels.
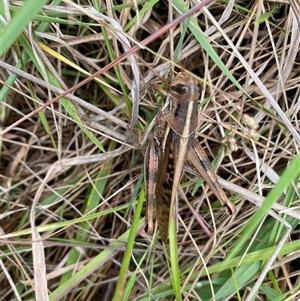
{"type": "Point", "coordinates": [173, 143]}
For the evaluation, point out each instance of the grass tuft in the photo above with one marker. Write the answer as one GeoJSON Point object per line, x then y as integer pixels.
{"type": "Point", "coordinates": [72, 197]}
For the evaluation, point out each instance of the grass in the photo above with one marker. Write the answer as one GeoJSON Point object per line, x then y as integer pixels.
{"type": "Point", "coordinates": [72, 198]}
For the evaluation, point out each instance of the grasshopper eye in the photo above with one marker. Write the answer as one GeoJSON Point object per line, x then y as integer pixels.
{"type": "Point", "coordinates": [180, 89]}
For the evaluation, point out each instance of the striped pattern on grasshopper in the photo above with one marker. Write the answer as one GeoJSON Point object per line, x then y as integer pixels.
{"type": "Point", "coordinates": [173, 143]}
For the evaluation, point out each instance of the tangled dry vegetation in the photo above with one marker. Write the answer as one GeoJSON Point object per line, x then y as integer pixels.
{"type": "Point", "coordinates": [74, 168]}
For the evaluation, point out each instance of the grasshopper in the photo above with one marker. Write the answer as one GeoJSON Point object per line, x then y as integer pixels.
{"type": "Point", "coordinates": [172, 144]}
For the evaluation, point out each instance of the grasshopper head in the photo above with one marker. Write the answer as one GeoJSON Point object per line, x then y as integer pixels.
{"type": "Point", "coordinates": [185, 88]}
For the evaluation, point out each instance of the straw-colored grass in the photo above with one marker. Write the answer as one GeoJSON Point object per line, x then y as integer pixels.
{"type": "Point", "coordinates": [72, 197]}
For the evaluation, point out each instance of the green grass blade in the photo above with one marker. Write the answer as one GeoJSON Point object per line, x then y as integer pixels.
{"type": "Point", "coordinates": [200, 37]}
{"type": "Point", "coordinates": [95, 264]}
{"type": "Point", "coordinates": [118, 294]}
{"type": "Point", "coordinates": [18, 23]}
{"type": "Point", "coordinates": [287, 177]}
{"type": "Point", "coordinates": [174, 259]}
